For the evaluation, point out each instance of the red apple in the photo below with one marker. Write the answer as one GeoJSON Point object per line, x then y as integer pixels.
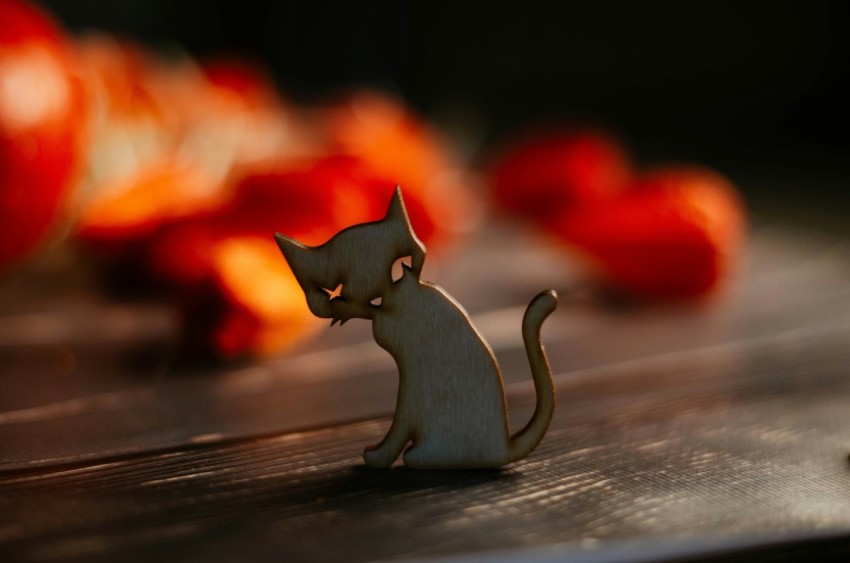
{"type": "Point", "coordinates": [547, 173]}
{"type": "Point", "coordinates": [42, 119]}
{"type": "Point", "coordinates": [674, 234]}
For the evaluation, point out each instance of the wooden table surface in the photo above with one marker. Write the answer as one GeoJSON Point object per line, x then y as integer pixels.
{"type": "Point", "coordinates": [681, 433]}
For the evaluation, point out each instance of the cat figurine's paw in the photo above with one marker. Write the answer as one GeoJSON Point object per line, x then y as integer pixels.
{"type": "Point", "coordinates": [377, 457]}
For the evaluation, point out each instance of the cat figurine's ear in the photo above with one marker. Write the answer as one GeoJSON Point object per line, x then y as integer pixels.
{"type": "Point", "coordinates": [397, 218]}
{"type": "Point", "coordinates": [296, 253]}
{"type": "Point", "coordinates": [305, 263]}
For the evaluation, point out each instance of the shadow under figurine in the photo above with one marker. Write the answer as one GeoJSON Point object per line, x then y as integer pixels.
{"type": "Point", "coordinates": [451, 404]}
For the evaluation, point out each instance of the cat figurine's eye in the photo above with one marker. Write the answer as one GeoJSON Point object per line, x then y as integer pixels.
{"type": "Point", "coordinates": [335, 293]}
{"type": "Point", "coordinates": [451, 411]}
{"type": "Point", "coordinates": [397, 270]}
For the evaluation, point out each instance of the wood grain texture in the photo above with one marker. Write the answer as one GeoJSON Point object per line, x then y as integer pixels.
{"type": "Point", "coordinates": [451, 411]}
{"type": "Point", "coordinates": [83, 397]}
{"type": "Point", "coordinates": [86, 397]}
{"type": "Point", "coordinates": [681, 432]}
{"type": "Point", "coordinates": [750, 443]}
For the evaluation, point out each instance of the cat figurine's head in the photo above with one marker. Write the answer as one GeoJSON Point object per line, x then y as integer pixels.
{"type": "Point", "coordinates": [347, 276]}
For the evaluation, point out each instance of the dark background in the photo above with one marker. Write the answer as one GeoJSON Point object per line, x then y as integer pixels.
{"type": "Point", "coordinates": [757, 89]}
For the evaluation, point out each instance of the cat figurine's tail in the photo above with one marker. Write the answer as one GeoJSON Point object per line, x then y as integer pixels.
{"type": "Point", "coordinates": [527, 439]}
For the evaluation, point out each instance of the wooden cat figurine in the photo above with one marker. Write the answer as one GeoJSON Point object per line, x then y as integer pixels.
{"type": "Point", "coordinates": [451, 405]}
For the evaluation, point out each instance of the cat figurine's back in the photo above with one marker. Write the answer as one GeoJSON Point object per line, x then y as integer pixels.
{"type": "Point", "coordinates": [451, 405]}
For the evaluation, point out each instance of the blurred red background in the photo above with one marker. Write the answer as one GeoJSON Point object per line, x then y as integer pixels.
{"type": "Point", "coordinates": [179, 166]}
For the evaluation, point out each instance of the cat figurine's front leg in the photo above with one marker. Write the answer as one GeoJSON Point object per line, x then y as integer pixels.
{"type": "Point", "coordinates": [384, 454]}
